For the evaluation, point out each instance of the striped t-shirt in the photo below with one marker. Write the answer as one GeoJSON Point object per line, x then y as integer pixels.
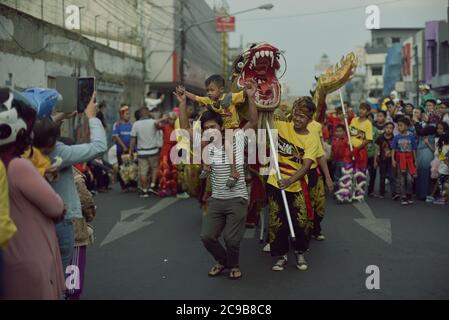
{"type": "Point", "coordinates": [221, 169]}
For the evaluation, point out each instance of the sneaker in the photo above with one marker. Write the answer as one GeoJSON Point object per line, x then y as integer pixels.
{"type": "Point", "coordinates": [183, 195]}
{"type": "Point", "coordinates": [151, 190]}
{"type": "Point", "coordinates": [301, 262]}
{"type": "Point", "coordinates": [267, 248]}
{"type": "Point", "coordinates": [395, 197]}
{"type": "Point", "coordinates": [404, 201]}
{"type": "Point", "coordinates": [143, 193]}
{"type": "Point", "coordinates": [319, 237]}
{"type": "Point", "coordinates": [439, 201]}
{"type": "Point", "coordinates": [280, 264]}
{"type": "Point", "coordinates": [430, 199]}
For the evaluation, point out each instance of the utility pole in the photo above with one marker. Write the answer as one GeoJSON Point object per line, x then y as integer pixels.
{"type": "Point", "coordinates": [63, 13]}
{"type": "Point", "coordinates": [118, 37]}
{"type": "Point", "coordinates": [96, 17]}
{"type": "Point", "coordinates": [42, 9]}
{"type": "Point", "coordinates": [107, 32]}
{"type": "Point", "coordinates": [183, 43]}
{"type": "Point", "coordinates": [417, 73]}
{"type": "Point", "coordinates": [81, 19]}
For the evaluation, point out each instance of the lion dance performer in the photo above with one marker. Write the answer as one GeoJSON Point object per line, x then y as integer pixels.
{"type": "Point", "coordinates": [353, 181]}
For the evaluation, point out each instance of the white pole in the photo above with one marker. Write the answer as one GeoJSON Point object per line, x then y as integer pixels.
{"type": "Point", "coordinates": [274, 153]}
{"type": "Point", "coordinates": [346, 123]}
{"type": "Point", "coordinates": [262, 225]}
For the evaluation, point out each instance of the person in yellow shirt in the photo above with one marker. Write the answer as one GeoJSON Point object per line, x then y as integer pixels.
{"type": "Point", "coordinates": [7, 226]}
{"type": "Point", "coordinates": [298, 150]}
{"type": "Point", "coordinates": [226, 105]}
{"type": "Point", "coordinates": [316, 174]}
{"type": "Point", "coordinates": [217, 100]}
{"type": "Point", "coordinates": [361, 131]}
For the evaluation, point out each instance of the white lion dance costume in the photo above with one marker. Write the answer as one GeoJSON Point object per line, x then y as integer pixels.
{"type": "Point", "coordinates": [351, 185]}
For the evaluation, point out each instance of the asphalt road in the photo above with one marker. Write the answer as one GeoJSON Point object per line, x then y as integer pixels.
{"type": "Point", "coordinates": [157, 254]}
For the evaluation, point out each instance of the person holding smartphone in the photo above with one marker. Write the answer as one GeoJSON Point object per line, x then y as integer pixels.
{"type": "Point", "coordinates": [65, 185]}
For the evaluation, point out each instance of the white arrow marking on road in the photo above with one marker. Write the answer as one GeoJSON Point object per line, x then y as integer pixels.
{"type": "Point", "coordinates": [123, 228]}
{"type": "Point", "coordinates": [128, 213]}
{"type": "Point", "coordinates": [379, 227]}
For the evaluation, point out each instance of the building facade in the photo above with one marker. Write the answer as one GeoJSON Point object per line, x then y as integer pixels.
{"type": "Point", "coordinates": [437, 55]}
{"type": "Point", "coordinates": [377, 54]}
{"type": "Point", "coordinates": [35, 59]}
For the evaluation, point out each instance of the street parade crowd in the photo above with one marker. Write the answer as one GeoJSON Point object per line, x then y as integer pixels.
{"type": "Point", "coordinates": [48, 182]}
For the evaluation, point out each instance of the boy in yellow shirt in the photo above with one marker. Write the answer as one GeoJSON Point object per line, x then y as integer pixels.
{"type": "Point", "coordinates": [217, 100]}
{"type": "Point", "coordinates": [361, 131]}
{"type": "Point", "coordinates": [226, 105]}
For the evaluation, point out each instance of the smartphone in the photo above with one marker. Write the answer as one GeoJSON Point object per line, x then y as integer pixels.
{"type": "Point", "coordinates": [68, 88]}
{"type": "Point", "coordinates": [86, 88]}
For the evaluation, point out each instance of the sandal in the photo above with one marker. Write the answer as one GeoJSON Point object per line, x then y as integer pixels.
{"type": "Point", "coordinates": [235, 274]}
{"type": "Point", "coordinates": [216, 270]}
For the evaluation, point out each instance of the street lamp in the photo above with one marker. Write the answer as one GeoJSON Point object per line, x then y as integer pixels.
{"type": "Point", "coordinates": [184, 31]}
{"type": "Point", "coordinates": [107, 32]}
{"type": "Point", "coordinates": [96, 17]}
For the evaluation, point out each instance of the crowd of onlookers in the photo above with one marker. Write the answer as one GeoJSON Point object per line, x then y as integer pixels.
{"type": "Point", "coordinates": [47, 190]}
{"type": "Point", "coordinates": [414, 139]}
{"type": "Point", "coordinates": [45, 204]}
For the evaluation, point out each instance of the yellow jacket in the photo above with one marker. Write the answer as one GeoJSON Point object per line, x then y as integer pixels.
{"type": "Point", "coordinates": [39, 160]}
{"type": "Point", "coordinates": [7, 226]}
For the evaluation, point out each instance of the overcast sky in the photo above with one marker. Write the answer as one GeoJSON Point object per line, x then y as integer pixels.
{"type": "Point", "coordinates": [305, 38]}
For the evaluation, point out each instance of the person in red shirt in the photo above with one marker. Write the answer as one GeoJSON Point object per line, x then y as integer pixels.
{"type": "Point", "coordinates": [167, 170]}
{"type": "Point", "coordinates": [341, 152]}
{"type": "Point", "coordinates": [338, 119]}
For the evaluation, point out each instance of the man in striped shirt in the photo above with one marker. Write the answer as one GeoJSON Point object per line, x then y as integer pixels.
{"type": "Point", "coordinates": [227, 207]}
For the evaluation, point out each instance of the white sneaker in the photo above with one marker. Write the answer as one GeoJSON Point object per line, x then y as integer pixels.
{"type": "Point", "coordinates": [319, 237]}
{"type": "Point", "coordinates": [144, 194]}
{"type": "Point", "coordinates": [267, 248]}
{"type": "Point", "coordinates": [183, 195]}
{"type": "Point", "coordinates": [301, 263]}
{"type": "Point", "coordinates": [280, 264]}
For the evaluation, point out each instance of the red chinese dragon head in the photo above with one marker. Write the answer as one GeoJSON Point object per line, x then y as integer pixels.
{"type": "Point", "coordinates": [261, 63]}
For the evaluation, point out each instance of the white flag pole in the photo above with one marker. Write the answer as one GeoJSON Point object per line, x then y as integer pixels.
{"type": "Point", "coordinates": [347, 125]}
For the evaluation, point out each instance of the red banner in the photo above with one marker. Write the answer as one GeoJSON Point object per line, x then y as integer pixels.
{"type": "Point", "coordinates": [407, 59]}
{"type": "Point", "coordinates": [225, 24]}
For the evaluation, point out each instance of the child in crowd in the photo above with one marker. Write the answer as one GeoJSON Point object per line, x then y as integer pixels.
{"type": "Point", "coordinates": [381, 121]}
{"type": "Point", "coordinates": [384, 162]}
{"type": "Point", "coordinates": [404, 160]}
{"type": "Point", "coordinates": [341, 152]}
{"type": "Point", "coordinates": [83, 233]}
{"type": "Point", "coordinates": [361, 130]}
{"type": "Point", "coordinates": [45, 133]}
{"type": "Point", "coordinates": [442, 153]}
{"type": "Point", "coordinates": [337, 119]}
{"type": "Point", "coordinates": [226, 105]}
{"type": "Point", "coordinates": [372, 150]}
